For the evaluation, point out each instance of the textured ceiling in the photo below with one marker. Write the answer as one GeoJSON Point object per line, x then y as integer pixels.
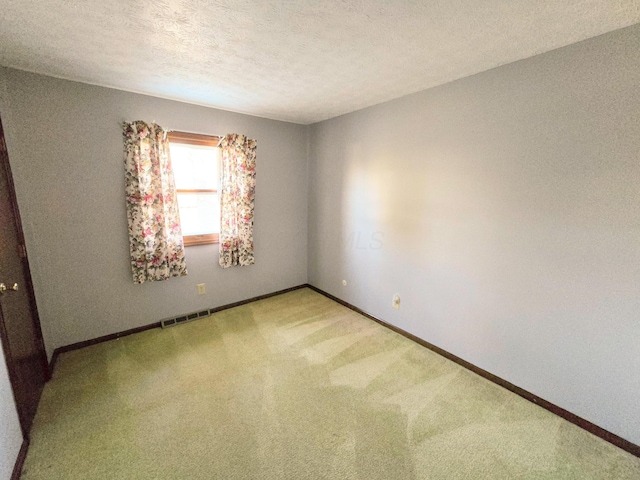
{"type": "Point", "coordinates": [294, 60]}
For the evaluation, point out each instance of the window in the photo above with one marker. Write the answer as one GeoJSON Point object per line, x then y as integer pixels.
{"type": "Point", "coordinates": [195, 160]}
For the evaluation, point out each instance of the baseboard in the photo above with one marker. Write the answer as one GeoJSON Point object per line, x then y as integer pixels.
{"type": "Point", "coordinates": [93, 341]}
{"type": "Point", "coordinates": [22, 454]}
{"type": "Point", "coordinates": [561, 412]}
{"type": "Point", "coordinates": [131, 331]}
{"type": "Point", "coordinates": [259, 297]}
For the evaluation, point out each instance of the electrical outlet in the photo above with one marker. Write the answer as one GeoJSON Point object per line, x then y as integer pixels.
{"type": "Point", "coordinates": [344, 283]}
{"type": "Point", "coordinates": [201, 288]}
{"type": "Point", "coordinates": [395, 303]}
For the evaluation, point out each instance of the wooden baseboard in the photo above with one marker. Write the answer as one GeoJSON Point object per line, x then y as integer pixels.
{"type": "Point", "coordinates": [561, 412]}
{"type": "Point", "coordinates": [131, 331]}
{"type": "Point", "coordinates": [93, 341]}
{"type": "Point", "coordinates": [259, 297]}
{"type": "Point", "coordinates": [22, 454]}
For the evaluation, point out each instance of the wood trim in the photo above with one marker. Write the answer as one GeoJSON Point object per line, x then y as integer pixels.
{"type": "Point", "coordinates": [561, 412]}
{"type": "Point", "coordinates": [22, 454]}
{"type": "Point", "coordinates": [201, 140]}
{"type": "Point", "coordinates": [113, 336]}
{"type": "Point", "coordinates": [93, 341]}
{"type": "Point", "coordinates": [14, 378]}
{"type": "Point", "coordinates": [204, 239]}
{"type": "Point", "coordinates": [193, 138]}
{"type": "Point", "coordinates": [4, 160]}
{"type": "Point", "coordinates": [259, 297]}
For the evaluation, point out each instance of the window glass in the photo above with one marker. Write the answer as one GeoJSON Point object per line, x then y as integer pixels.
{"type": "Point", "coordinates": [199, 213]}
{"type": "Point", "coordinates": [194, 166]}
{"type": "Point", "coordinates": [195, 171]}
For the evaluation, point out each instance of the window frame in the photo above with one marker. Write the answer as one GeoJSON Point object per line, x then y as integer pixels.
{"type": "Point", "coordinates": [200, 140]}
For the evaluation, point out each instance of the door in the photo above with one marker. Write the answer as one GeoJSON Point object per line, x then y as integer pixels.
{"type": "Point", "coordinates": [19, 323]}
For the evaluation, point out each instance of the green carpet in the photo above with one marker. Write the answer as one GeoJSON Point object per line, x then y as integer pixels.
{"type": "Point", "coordinates": [295, 387]}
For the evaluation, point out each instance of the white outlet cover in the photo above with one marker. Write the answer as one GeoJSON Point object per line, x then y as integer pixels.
{"type": "Point", "coordinates": [395, 303]}
{"type": "Point", "coordinates": [344, 283]}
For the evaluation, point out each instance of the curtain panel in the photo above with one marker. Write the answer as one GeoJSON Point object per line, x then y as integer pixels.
{"type": "Point", "coordinates": [237, 200]}
{"type": "Point", "coordinates": [156, 245]}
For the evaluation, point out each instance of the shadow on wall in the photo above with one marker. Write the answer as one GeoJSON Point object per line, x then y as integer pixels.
{"type": "Point", "coordinates": [384, 215]}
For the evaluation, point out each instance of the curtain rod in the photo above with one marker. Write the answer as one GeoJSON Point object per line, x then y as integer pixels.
{"type": "Point", "coordinates": [125, 122]}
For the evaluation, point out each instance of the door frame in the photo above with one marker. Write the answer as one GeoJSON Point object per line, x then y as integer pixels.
{"type": "Point", "coordinates": [14, 378]}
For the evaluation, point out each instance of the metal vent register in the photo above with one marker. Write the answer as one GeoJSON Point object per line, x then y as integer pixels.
{"type": "Point", "coordinates": [170, 322]}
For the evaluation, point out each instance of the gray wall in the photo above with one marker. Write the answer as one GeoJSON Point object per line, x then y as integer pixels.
{"type": "Point", "coordinates": [65, 147]}
{"type": "Point", "coordinates": [504, 208]}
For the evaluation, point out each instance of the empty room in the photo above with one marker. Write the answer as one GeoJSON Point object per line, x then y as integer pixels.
{"type": "Point", "coordinates": [330, 239]}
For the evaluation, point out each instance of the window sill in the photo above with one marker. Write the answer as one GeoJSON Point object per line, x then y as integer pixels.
{"type": "Point", "coordinates": [207, 239]}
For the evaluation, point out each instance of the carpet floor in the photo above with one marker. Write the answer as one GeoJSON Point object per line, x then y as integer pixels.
{"type": "Point", "coordinates": [295, 387]}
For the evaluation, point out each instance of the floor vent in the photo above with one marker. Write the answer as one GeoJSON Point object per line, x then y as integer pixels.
{"type": "Point", "coordinates": [170, 322]}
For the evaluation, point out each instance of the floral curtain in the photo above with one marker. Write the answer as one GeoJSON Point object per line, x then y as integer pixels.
{"type": "Point", "coordinates": [237, 200]}
{"type": "Point", "coordinates": [157, 249]}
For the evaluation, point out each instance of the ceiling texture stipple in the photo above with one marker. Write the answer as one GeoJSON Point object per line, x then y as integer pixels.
{"type": "Point", "coordinates": [293, 60]}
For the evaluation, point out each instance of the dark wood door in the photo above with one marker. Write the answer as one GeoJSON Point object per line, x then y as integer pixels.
{"type": "Point", "coordinates": [19, 323]}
